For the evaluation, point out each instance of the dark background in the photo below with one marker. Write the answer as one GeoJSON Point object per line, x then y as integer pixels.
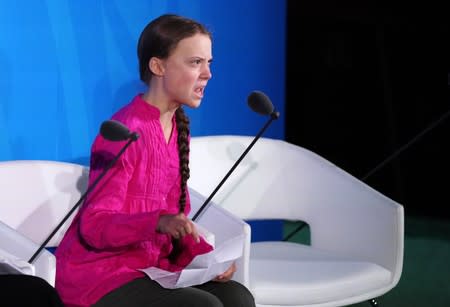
{"type": "Point", "coordinates": [367, 89]}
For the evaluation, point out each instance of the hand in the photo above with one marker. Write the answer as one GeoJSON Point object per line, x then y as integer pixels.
{"type": "Point", "coordinates": [227, 275]}
{"type": "Point", "coordinates": [177, 225]}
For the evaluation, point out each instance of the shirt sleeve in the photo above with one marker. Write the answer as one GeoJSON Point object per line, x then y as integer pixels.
{"type": "Point", "coordinates": [104, 221]}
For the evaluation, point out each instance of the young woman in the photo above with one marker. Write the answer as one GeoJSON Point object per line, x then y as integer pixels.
{"type": "Point", "coordinates": [137, 217]}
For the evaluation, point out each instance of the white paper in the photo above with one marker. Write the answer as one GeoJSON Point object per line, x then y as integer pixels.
{"type": "Point", "coordinates": [10, 264]}
{"type": "Point", "coordinates": [203, 268]}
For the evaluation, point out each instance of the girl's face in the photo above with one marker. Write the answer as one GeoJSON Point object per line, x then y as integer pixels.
{"type": "Point", "coordinates": [187, 70]}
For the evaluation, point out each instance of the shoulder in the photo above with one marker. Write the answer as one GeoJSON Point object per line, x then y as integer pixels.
{"type": "Point", "coordinates": [128, 114]}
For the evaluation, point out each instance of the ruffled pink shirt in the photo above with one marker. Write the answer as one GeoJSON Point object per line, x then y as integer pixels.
{"type": "Point", "coordinates": [114, 232]}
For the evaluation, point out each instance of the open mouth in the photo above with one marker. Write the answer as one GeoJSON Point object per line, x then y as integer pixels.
{"type": "Point", "coordinates": [200, 91]}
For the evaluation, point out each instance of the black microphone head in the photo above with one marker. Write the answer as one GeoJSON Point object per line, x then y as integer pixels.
{"type": "Point", "coordinates": [114, 130]}
{"type": "Point", "coordinates": [260, 103]}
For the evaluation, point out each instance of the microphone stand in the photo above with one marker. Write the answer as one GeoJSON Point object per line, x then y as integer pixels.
{"type": "Point", "coordinates": [273, 116]}
{"type": "Point", "coordinates": [133, 137]}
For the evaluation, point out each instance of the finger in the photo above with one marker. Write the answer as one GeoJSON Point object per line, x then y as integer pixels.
{"type": "Point", "coordinates": [181, 216]}
{"type": "Point", "coordinates": [188, 228]}
{"type": "Point", "coordinates": [229, 272]}
{"type": "Point", "coordinates": [175, 234]}
{"type": "Point", "coordinates": [181, 231]}
{"type": "Point", "coordinates": [222, 278]}
{"type": "Point", "coordinates": [195, 234]}
{"type": "Point", "coordinates": [233, 267]}
{"type": "Point", "coordinates": [192, 230]}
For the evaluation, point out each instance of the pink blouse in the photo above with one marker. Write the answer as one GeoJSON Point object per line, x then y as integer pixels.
{"type": "Point", "coordinates": [114, 232]}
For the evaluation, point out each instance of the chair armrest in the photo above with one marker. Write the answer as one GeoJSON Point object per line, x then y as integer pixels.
{"type": "Point", "coordinates": [18, 245]}
{"type": "Point", "coordinates": [354, 220]}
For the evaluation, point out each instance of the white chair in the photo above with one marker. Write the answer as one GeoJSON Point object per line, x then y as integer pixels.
{"type": "Point", "coordinates": [356, 250]}
{"type": "Point", "coordinates": [36, 195]}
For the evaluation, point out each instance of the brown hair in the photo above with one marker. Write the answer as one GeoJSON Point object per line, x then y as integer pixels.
{"type": "Point", "coordinates": [158, 39]}
{"type": "Point", "coordinates": [183, 153]}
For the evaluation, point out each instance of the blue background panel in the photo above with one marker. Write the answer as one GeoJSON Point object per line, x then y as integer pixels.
{"type": "Point", "coordinates": [69, 65]}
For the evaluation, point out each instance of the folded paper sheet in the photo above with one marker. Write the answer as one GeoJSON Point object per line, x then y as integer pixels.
{"type": "Point", "coordinates": [204, 267]}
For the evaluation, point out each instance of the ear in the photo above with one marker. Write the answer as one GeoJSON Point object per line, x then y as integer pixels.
{"type": "Point", "coordinates": [156, 66]}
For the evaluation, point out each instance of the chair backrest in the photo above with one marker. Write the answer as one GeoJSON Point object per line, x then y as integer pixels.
{"type": "Point", "coordinates": [273, 172]}
{"type": "Point", "coordinates": [36, 195]}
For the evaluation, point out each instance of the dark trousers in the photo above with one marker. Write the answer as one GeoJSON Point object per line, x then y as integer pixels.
{"type": "Point", "coordinates": [26, 291]}
{"type": "Point", "coordinates": [144, 292]}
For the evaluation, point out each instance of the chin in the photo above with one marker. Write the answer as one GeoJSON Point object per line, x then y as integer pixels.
{"type": "Point", "coordinates": [193, 103]}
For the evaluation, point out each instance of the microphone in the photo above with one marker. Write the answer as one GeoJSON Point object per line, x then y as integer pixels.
{"type": "Point", "coordinates": [111, 130]}
{"type": "Point", "coordinates": [259, 103]}
{"type": "Point", "coordinates": [114, 130]}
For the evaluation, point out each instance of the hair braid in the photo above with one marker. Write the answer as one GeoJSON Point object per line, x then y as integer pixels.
{"type": "Point", "coordinates": [183, 152]}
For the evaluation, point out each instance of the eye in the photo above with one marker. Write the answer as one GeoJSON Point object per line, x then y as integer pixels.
{"type": "Point", "coordinates": [197, 61]}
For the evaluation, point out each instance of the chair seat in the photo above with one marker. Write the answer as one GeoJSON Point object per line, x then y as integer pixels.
{"type": "Point", "coordinates": [317, 276]}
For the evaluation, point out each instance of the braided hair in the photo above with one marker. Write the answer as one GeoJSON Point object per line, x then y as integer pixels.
{"type": "Point", "coordinates": [183, 152]}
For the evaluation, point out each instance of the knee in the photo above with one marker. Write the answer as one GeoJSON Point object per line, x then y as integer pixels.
{"type": "Point", "coordinates": [237, 295]}
{"type": "Point", "coordinates": [204, 300]}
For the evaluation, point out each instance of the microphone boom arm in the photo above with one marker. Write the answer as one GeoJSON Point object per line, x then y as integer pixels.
{"type": "Point", "coordinates": [273, 116]}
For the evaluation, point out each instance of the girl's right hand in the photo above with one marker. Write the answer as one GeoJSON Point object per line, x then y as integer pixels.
{"type": "Point", "coordinates": [177, 225]}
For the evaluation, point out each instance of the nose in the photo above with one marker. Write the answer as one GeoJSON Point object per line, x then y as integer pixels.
{"type": "Point", "coordinates": [206, 72]}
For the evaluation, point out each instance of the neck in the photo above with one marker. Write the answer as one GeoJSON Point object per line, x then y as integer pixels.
{"type": "Point", "coordinates": [166, 107]}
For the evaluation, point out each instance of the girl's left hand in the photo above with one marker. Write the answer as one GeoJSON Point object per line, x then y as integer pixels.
{"type": "Point", "coordinates": [227, 275]}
